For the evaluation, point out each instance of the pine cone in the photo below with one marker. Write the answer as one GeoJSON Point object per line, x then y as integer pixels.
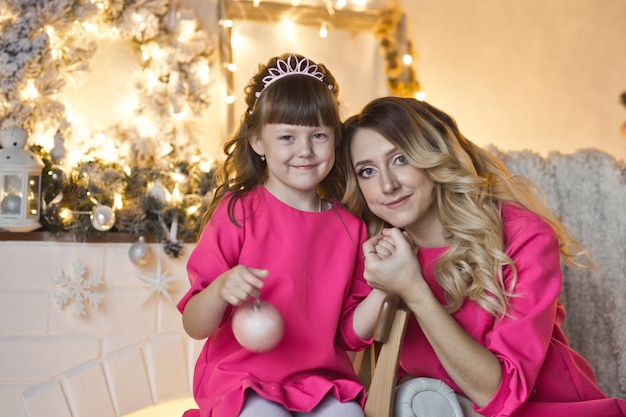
{"type": "Point", "coordinates": [130, 220]}
{"type": "Point", "coordinates": [173, 249]}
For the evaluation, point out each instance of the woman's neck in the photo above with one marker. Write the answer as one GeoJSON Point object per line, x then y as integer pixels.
{"type": "Point", "coordinates": [428, 232]}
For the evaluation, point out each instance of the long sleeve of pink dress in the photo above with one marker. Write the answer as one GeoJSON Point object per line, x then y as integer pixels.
{"type": "Point", "coordinates": [541, 374]}
{"type": "Point", "coordinates": [315, 281]}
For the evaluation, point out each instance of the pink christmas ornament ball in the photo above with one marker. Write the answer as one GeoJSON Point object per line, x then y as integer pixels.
{"type": "Point", "coordinates": [258, 326]}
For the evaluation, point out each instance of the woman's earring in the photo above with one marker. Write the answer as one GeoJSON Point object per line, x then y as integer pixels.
{"type": "Point", "coordinates": [263, 158]}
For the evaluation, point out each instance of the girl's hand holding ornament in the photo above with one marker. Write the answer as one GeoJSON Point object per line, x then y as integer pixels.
{"type": "Point", "coordinates": [257, 325]}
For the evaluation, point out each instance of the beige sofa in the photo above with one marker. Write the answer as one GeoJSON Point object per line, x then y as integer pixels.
{"type": "Point", "coordinates": [588, 190]}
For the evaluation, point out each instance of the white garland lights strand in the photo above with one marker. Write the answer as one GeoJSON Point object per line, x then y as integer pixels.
{"type": "Point", "coordinates": [47, 45]}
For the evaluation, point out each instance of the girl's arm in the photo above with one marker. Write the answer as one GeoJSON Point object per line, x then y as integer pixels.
{"type": "Point", "coordinates": [205, 310]}
{"type": "Point", "coordinates": [366, 313]}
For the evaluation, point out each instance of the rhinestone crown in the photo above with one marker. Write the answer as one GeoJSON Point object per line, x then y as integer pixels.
{"type": "Point", "coordinates": [291, 66]}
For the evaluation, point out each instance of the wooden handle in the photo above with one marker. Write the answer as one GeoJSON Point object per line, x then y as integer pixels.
{"type": "Point", "coordinates": [385, 317]}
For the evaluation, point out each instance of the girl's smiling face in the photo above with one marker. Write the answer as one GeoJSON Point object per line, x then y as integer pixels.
{"type": "Point", "coordinates": [298, 157]}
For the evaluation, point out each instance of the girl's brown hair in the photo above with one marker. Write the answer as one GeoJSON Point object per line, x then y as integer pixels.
{"type": "Point", "coordinates": [296, 99]}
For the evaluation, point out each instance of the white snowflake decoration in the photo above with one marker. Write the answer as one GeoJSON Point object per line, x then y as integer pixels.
{"type": "Point", "coordinates": [159, 282]}
{"type": "Point", "coordinates": [78, 290]}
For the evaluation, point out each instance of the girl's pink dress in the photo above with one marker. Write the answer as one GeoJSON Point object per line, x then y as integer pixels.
{"type": "Point", "coordinates": [315, 281]}
{"type": "Point", "coordinates": [541, 375]}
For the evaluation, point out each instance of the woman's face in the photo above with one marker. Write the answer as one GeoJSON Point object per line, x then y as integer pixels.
{"type": "Point", "coordinates": [395, 191]}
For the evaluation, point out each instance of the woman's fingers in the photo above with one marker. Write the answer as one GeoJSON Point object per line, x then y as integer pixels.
{"type": "Point", "coordinates": [385, 248]}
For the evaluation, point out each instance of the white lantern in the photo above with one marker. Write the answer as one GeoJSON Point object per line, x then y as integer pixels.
{"type": "Point", "coordinates": [20, 182]}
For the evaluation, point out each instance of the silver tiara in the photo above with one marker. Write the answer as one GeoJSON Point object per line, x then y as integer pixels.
{"type": "Point", "coordinates": [292, 66]}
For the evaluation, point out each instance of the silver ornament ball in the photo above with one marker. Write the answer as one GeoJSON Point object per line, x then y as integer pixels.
{"type": "Point", "coordinates": [102, 218]}
{"type": "Point", "coordinates": [139, 252]}
{"type": "Point", "coordinates": [11, 204]}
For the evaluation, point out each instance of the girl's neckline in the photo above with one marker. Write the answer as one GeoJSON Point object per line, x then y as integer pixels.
{"type": "Point", "coordinates": [322, 205]}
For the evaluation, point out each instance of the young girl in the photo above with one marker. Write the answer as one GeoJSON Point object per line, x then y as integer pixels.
{"type": "Point", "coordinates": [275, 230]}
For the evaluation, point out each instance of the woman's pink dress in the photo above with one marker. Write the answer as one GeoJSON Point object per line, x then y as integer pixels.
{"type": "Point", "coordinates": [315, 281]}
{"type": "Point", "coordinates": [541, 375]}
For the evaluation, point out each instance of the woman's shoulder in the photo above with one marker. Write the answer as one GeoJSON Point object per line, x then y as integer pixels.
{"type": "Point", "coordinates": [519, 222]}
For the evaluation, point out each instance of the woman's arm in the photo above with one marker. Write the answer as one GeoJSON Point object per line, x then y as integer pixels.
{"type": "Point", "coordinates": [475, 369]}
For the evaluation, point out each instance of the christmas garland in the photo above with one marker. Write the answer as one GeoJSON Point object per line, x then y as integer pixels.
{"type": "Point", "coordinates": [156, 185]}
{"type": "Point", "coordinates": [401, 78]}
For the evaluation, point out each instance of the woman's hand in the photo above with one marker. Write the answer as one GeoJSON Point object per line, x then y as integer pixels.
{"type": "Point", "coordinates": [391, 263]}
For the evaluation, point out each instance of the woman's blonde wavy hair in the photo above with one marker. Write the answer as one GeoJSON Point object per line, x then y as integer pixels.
{"type": "Point", "coordinates": [295, 99]}
{"type": "Point", "coordinates": [469, 186]}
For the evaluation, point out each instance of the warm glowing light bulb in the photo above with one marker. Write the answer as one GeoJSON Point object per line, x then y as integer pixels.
{"type": "Point", "coordinates": [145, 127]}
{"type": "Point", "coordinates": [152, 79]}
{"type": "Point", "coordinates": [179, 177]}
{"type": "Point", "coordinates": [188, 27]}
{"type": "Point", "coordinates": [323, 30]}
{"type": "Point", "coordinates": [65, 214]}
{"type": "Point", "coordinates": [420, 96]}
{"type": "Point", "coordinates": [289, 27]}
{"type": "Point", "coordinates": [231, 67]}
{"type": "Point", "coordinates": [230, 99]}
{"type": "Point", "coordinates": [407, 59]}
{"type": "Point", "coordinates": [204, 73]}
{"type": "Point", "coordinates": [177, 196]}
{"type": "Point", "coordinates": [205, 166]}
{"type": "Point", "coordinates": [227, 23]}
{"type": "Point", "coordinates": [29, 91]}
{"type": "Point", "coordinates": [192, 209]}
{"type": "Point", "coordinates": [117, 202]}
{"type": "Point", "coordinates": [236, 40]}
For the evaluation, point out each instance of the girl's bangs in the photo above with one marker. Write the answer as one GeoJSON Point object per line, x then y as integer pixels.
{"type": "Point", "coordinates": [301, 101]}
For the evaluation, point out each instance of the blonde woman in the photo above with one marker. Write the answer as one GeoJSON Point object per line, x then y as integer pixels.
{"type": "Point", "coordinates": [477, 259]}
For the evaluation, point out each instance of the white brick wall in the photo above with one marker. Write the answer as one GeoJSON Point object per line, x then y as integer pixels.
{"type": "Point", "coordinates": [128, 353]}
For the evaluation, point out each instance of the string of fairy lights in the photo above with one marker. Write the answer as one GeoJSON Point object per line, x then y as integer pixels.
{"type": "Point", "coordinates": [146, 174]}
{"type": "Point", "coordinates": [387, 22]}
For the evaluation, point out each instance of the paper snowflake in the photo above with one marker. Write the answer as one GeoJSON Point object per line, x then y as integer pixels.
{"type": "Point", "coordinates": [159, 282]}
{"type": "Point", "coordinates": [79, 289]}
